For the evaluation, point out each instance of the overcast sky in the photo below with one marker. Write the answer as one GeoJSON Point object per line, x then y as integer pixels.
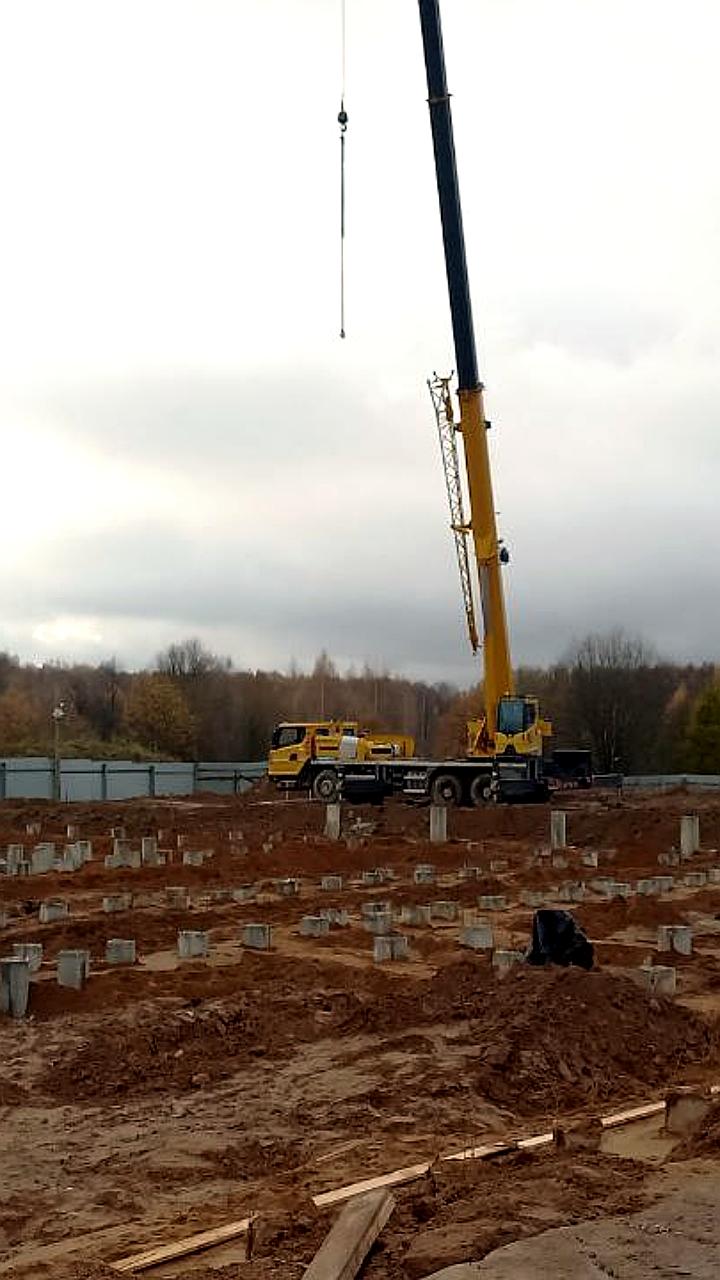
{"type": "Point", "coordinates": [187, 446]}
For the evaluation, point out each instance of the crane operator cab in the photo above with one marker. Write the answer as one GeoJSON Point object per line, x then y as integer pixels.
{"type": "Point", "coordinates": [519, 729]}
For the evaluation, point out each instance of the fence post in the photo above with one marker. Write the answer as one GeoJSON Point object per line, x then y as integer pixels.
{"type": "Point", "coordinates": [151, 779]}
{"type": "Point", "coordinates": [195, 775]}
{"type": "Point", "coordinates": [103, 780]}
{"type": "Point", "coordinates": [3, 780]}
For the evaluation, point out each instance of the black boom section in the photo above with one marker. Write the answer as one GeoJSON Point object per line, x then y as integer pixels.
{"type": "Point", "coordinates": [449, 195]}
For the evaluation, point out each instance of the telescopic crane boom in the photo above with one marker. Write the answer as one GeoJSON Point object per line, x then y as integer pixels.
{"type": "Point", "coordinates": [509, 724]}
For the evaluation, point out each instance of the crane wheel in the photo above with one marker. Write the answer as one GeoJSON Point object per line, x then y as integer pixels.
{"type": "Point", "coordinates": [482, 791]}
{"type": "Point", "coordinates": [446, 790]}
{"type": "Point", "coordinates": [325, 786]}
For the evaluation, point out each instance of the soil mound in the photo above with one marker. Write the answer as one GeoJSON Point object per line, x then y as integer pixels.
{"type": "Point", "coordinates": [550, 1039]}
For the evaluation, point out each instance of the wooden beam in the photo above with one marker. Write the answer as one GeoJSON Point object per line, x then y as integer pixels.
{"type": "Point", "coordinates": [393, 1179]}
{"type": "Point", "coordinates": [347, 1244]}
{"type": "Point", "coordinates": [181, 1248]}
{"type": "Point", "coordinates": [634, 1113]}
{"type": "Point", "coordinates": [481, 1153]}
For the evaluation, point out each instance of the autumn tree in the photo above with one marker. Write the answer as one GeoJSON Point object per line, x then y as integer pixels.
{"type": "Point", "coordinates": [158, 714]}
{"type": "Point", "coordinates": [703, 739]}
{"type": "Point", "coordinates": [20, 729]}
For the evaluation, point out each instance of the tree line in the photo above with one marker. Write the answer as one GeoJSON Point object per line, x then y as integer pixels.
{"type": "Point", "coordinates": [611, 693]}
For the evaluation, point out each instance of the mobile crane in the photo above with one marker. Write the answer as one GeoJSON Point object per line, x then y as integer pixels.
{"type": "Point", "coordinates": [510, 724]}
{"type": "Point", "coordinates": [504, 751]}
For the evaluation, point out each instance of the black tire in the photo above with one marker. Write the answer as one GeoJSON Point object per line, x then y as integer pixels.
{"type": "Point", "coordinates": [482, 791]}
{"type": "Point", "coordinates": [326, 786]}
{"type": "Point", "coordinates": [446, 789]}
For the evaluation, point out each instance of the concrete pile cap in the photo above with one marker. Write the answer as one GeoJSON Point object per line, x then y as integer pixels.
{"type": "Point", "coordinates": [314, 926]}
{"type": "Point", "coordinates": [424, 873]}
{"type": "Point", "coordinates": [120, 951]}
{"type": "Point", "coordinates": [73, 968]}
{"type": "Point", "coordinates": [334, 915]}
{"type": "Point", "coordinates": [331, 882]}
{"type": "Point", "coordinates": [257, 936]}
{"type": "Point", "coordinates": [506, 959]}
{"type": "Point", "coordinates": [660, 980]}
{"type": "Point", "coordinates": [492, 902]}
{"type": "Point", "coordinates": [192, 943]}
{"type": "Point", "coordinates": [445, 909]}
{"type": "Point", "coordinates": [478, 936]}
{"type": "Point", "coordinates": [14, 986]}
{"type": "Point", "coordinates": [390, 947]}
{"type": "Point", "coordinates": [30, 951]}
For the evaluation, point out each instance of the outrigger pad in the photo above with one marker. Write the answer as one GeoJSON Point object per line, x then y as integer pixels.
{"type": "Point", "coordinates": [558, 939]}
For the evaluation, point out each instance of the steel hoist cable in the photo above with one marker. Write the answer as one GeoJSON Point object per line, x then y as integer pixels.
{"type": "Point", "coordinates": [343, 122]}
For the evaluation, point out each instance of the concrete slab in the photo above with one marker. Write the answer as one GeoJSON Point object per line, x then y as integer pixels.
{"type": "Point", "coordinates": [676, 1235]}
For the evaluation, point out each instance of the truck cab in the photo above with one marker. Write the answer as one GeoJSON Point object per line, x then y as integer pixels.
{"type": "Point", "coordinates": [298, 750]}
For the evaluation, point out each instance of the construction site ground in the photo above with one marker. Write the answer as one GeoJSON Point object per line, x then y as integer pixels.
{"type": "Point", "coordinates": [172, 1096]}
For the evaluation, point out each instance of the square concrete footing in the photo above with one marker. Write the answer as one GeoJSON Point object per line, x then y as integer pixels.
{"type": "Point", "coordinates": [682, 939]}
{"type": "Point", "coordinates": [589, 858]}
{"type": "Point", "coordinates": [73, 968]}
{"type": "Point", "coordinates": [244, 893]}
{"type": "Point", "coordinates": [695, 879]}
{"type": "Point", "coordinates": [390, 947]}
{"type": "Point", "coordinates": [177, 897]}
{"type": "Point", "coordinates": [492, 902]}
{"type": "Point", "coordinates": [375, 908]}
{"type": "Point", "coordinates": [379, 923]}
{"type": "Point", "coordinates": [193, 944]}
{"type": "Point", "coordinates": [288, 888]}
{"type": "Point", "coordinates": [258, 937]}
{"type": "Point", "coordinates": [659, 980]}
{"type": "Point", "coordinates": [30, 951]}
{"type": "Point", "coordinates": [414, 914]}
{"type": "Point", "coordinates": [196, 857]}
{"type": "Point", "coordinates": [42, 859]}
{"type": "Point", "coordinates": [532, 898]}
{"type": "Point", "coordinates": [120, 951]}
{"type": "Point", "coordinates": [444, 910]}
{"type": "Point", "coordinates": [314, 926]}
{"type": "Point", "coordinates": [573, 891]}
{"type": "Point", "coordinates": [117, 902]}
{"type": "Point", "coordinates": [664, 937]}
{"type": "Point", "coordinates": [505, 960]}
{"type": "Point", "coordinates": [477, 936]}
{"type": "Point", "coordinates": [424, 873]}
{"type": "Point", "coordinates": [331, 884]}
{"type": "Point", "coordinates": [335, 916]}
{"type": "Point", "coordinates": [53, 909]}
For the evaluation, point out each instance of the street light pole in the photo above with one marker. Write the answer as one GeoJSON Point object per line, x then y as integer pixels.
{"type": "Point", "coordinates": [58, 714]}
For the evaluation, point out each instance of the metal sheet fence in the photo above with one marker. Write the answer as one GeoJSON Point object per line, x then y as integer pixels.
{"type": "Point", "coordinates": [41, 778]}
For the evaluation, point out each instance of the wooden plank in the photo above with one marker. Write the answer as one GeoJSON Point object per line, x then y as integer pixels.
{"type": "Point", "coordinates": [482, 1153]}
{"type": "Point", "coordinates": [634, 1113]}
{"type": "Point", "coordinates": [393, 1179]}
{"type": "Point", "coordinates": [346, 1245]}
{"type": "Point", "coordinates": [540, 1140]}
{"type": "Point", "coordinates": [181, 1248]}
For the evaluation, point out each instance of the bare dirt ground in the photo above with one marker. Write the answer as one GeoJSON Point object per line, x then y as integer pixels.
{"type": "Point", "coordinates": [170, 1097]}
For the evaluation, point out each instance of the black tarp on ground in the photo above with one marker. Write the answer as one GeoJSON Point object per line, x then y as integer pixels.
{"type": "Point", "coordinates": [558, 939]}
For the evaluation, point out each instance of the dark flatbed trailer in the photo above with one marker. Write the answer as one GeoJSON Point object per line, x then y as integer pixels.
{"type": "Point", "coordinates": [503, 780]}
